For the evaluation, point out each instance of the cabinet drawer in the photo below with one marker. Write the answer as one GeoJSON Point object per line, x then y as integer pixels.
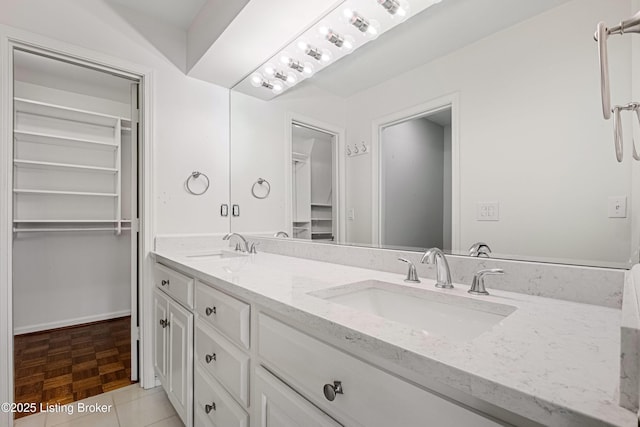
{"type": "Point", "coordinates": [371, 397]}
{"type": "Point", "coordinates": [175, 284]}
{"type": "Point", "coordinates": [277, 405]}
{"type": "Point", "coordinates": [227, 314]}
{"type": "Point", "coordinates": [223, 360]}
{"type": "Point", "coordinates": [214, 407]}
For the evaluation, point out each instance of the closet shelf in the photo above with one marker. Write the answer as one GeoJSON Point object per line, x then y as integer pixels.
{"type": "Point", "coordinates": [69, 221]}
{"type": "Point", "coordinates": [44, 138]}
{"type": "Point", "coordinates": [321, 219]}
{"type": "Point", "coordinates": [321, 205]}
{"type": "Point", "coordinates": [64, 193]}
{"type": "Point", "coordinates": [40, 230]}
{"type": "Point", "coordinates": [51, 165]}
{"type": "Point", "coordinates": [45, 109]}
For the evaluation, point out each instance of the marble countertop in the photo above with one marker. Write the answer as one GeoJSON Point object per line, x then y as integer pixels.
{"type": "Point", "coordinates": [554, 362]}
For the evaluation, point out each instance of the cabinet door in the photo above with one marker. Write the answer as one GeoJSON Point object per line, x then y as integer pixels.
{"type": "Point", "coordinates": [180, 363]}
{"type": "Point", "coordinates": [277, 405]}
{"type": "Point", "coordinates": [160, 337]}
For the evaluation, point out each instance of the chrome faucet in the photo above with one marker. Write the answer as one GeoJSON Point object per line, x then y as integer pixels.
{"type": "Point", "coordinates": [245, 245]}
{"type": "Point", "coordinates": [477, 286]}
{"type": "Point", "coordinates": [443, 277]}
{"type": "Point", "coordinates": [281, 234]}
{"type": "Point", "coordinates": [412, 274]}
{"type": "Point", "coordinates": [479, 249]}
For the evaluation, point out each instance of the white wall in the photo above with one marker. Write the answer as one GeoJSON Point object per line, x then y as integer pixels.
{"type": "Point", "coordinates": [531, 135]}
{"type": "Point", "coordinates": [259, 150]}
{"type": "Point", "coordinates": [321, 171]}
{"type": "Point", "coordinates": [412, 156]}
{"type": "Point", "coordinates": [52, 271]}
{"type": "Point", "coordinates": [190, 129]}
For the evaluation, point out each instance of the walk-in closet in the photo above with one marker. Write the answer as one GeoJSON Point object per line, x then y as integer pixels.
{"type": "Point", "coordinates": [75, 203]}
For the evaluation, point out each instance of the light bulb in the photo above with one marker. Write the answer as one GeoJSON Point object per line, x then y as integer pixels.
{"type": "Point", "coordinates": [348, 43]}
{"type": "Point", "coordinates": [256, 80]}
{"type": "Point", "coordinates": [373, 30]}
{"type": "Point", "coordinates": [324, 30]}
{"type": "Point", "coordinates": [269, 70]}
{"type": "Point", "coordinates": [303, 45]}
{"type": "Point", "coordinates": [308, 69]}
{"type": "Point", "coordinates": [325, 56]}
{"type": "Point", "coordinates": [285, 58]}
{"type": "Point", "coordinates": [291, 79]}
{"type": "Point", "coordinates": [277, 87]}
{"type": "Point", "coordinates": [348, 13]}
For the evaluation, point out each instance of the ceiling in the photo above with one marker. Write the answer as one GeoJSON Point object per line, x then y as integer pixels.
{"type": "Point", "coordinates": [177, 13]}
{"type": "Point", "coordinates": [227, 41]}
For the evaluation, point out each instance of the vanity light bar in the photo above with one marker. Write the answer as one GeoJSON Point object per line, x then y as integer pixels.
{"type": "Point", "coordinates": [340, 30]}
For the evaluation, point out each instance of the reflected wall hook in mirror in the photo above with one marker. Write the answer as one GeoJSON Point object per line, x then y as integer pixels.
{"type": "Point", "coordinates": [357, 149]}
{"type": "Point", "coordinates": [261, 182]}
{"type": "Point", "coordinates": [191, 178]}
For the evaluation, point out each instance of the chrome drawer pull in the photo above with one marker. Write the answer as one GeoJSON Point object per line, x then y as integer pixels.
{"type": "Point", "coordinates": [330, 390]}
{"type": "Point", "coordinates": [164, 323]}
{"type": "Point", "coordinates": [210, 358]}
{"type": "Point", "coordinates": [208, 408]}
{"type": "Point", "coordinates": [210, 310]}
{"type": "Point", "coordinates": [165, 282]}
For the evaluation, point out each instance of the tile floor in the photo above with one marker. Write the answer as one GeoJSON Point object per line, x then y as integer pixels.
{"type": "Point", "coordinates": [131, 406]}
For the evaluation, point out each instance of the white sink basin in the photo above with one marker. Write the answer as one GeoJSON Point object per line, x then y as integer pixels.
{"type": "Point", "coordinates": [213, 255]}
{"type": "Point", "coordinates": [451, 316]}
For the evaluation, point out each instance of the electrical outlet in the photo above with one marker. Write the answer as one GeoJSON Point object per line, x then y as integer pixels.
{"type": "Point", "coordinates": [488, 211]}
{"type": "Point", "coordinates": [617, 207]}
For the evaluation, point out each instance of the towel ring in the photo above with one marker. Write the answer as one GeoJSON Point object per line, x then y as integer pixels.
{"type": "Point", "coordinates": [260, 181]}
{"type": "Point", "coordinates": [195, 175]}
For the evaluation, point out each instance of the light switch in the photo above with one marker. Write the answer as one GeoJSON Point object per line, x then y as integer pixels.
{"type": "Point", "coordinates": [351, 215]}
{"type": "Point", "coordinates": [618, 207]}
{"type": "Point", "coordinates": [488, 211]}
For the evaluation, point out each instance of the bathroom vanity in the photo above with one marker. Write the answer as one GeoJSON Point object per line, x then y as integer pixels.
{"type": "Point", "coordinates": [271, 340]}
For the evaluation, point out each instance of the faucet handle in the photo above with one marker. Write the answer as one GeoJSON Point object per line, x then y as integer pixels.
{"type": "Point", "coordinates": [412, 274]}
{"type": "Point", "coordinates": [252, 249]}
{"type": "Point", "coordinates": [477, 286]}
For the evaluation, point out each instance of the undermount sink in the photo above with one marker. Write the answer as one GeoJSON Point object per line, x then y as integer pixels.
{"type": "Point", "coordinates": [451, 316]}
{"type": "Point", "coordinates": [213, 255]}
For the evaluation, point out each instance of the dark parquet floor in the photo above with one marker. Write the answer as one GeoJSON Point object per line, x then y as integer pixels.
{"type": "Point", "coordinates": [70, 364]}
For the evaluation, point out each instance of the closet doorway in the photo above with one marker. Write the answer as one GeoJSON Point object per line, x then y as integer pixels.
{"type": "Point", "coordinates": [314, 183]}
{"type": "Point", "coordinates": [75, 229]}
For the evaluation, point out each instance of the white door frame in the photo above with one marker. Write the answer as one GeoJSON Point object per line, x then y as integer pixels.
{"type": "Point", "coordinates": [448, 101]}
{"type": "Point", "coordinates": [11, 38]}
{"type": "Point", "coordinates": [339, 148]}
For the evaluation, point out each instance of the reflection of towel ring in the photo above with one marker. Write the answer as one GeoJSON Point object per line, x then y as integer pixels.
{"type": "Point", "coordinates": [260, 181]}
{"type": "Point", "coordinates": [196, 175]}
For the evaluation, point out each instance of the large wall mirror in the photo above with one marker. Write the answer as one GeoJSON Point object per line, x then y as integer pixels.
{"type": "Point", "coordinates": [472, 121]}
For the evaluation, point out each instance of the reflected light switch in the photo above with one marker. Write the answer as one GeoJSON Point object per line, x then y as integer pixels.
{"type": "Point", "coordinates": [618, 207]}
{"type": "Point", "coordinates": [488, 211]}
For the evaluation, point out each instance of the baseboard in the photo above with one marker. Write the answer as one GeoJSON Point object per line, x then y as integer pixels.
{"type": "Point", "coordinates": [70, 322]}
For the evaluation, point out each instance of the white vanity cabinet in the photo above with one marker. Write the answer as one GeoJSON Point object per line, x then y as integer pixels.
{"type": "Point", "coordinates": [219, 372]}
{"type": "Point", "coordinates": [173, 348]}
{"type": "Point", "coordinates": [350, 390]}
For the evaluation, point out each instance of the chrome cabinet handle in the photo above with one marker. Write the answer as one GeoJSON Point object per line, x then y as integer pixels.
{"type": "Point", "coordinates": [164, 323]}
{"type": "Point", "coordinates": [210, 358]}
{"type": "Point", "coordinates": [164, 282]}
{"type": "Point", "coordinates": [330, 390]}
{"type": "Point", "coordinates": [209, 408]}
{"type": "Point", "coordinates": [210, 310]}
